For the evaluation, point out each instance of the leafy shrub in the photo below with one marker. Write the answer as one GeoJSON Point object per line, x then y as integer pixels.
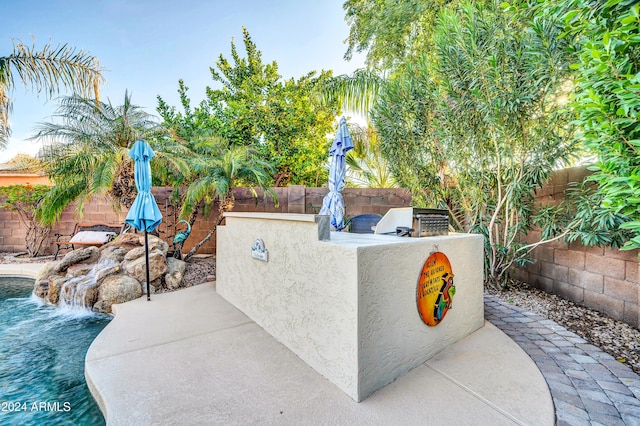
{"type": "Point", "coordinates": [24, 199]}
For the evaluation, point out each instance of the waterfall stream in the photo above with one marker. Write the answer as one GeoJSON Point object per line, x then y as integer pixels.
{"type": "Point", "coordinates": [81, 291]}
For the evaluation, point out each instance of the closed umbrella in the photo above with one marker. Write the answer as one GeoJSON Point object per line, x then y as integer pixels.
{"type": "Point", "coordinates": [144, 214]}
{"type": "Point", "coordinates": [333, 204]}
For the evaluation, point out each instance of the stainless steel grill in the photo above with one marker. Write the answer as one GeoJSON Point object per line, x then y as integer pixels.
{"type": "Point", "coordinates": [429, 222]}
{"type": "Point", "coordinates": [414, 222]}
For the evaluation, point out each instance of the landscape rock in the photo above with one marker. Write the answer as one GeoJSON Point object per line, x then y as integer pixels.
{"type": "Point", "coordinates": [127, 240]}
{"type": "Point", "coordinates": [48, 269]}
{"type": "Point", "coordinates": [106, 271]}
{"type": "Point", "coordinates": [137, 267]}
{"type": "Point", "coordinates": [154, 286]}
{"type": "Point", "coordinates": [175, 274]}
{"type": "Point", "coordinates": [41, 289]}
{"type": "Point", "coordinates": [91, 297]}
{"type": "Point", "coordinates": [55, 285]}
{"type": "Point", "coordinates": [156, 243]}
{"type": "Point", "coordinates": [77, 256]}
{"type": "Point", "coordinates": [79, 291]}
{"type": "Point", "coordinates": [79, 269]}
{"type": "Point", "coordinates": [41, 286]}
{"type": "Point", "coordinates": [112, 252]}
{"type": "Point", "coordinates": [135, 253]}
{"type": "Point", "coordinates": [119, 288]}
{"type": "Point", "coordinates": [115, 273]}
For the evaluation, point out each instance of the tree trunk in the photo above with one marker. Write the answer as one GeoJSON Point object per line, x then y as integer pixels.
{"type": "Point", "coordinates": [205, 239]}
{"type": "Point", "coordinates": [35, 238]}
{"type": "Point", "coordinates": [226, 205]}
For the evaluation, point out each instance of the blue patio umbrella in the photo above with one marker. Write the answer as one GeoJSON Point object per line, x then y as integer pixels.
{"type": "Point", "coordinates": [144, 214]}
{"type": "Point", "coordinates": [333, 204]}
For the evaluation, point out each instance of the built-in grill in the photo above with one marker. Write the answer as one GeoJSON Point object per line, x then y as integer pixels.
{"type": "Point", "coordinates": [429, 222]}
{"type": "Point", "coordinates": [414, 222]}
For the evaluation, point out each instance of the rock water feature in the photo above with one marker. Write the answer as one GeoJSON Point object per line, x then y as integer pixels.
{"type": "Point", "coordinates": [96, 278]}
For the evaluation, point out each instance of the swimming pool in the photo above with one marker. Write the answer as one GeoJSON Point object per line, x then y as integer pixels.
{"type": "Point", "coordinates": [42, 351]}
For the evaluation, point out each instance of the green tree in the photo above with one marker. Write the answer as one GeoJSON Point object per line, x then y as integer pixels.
{"type": "Point", "coordinates": [24, 199]}
{"type": "Point", "coordinates": [44, 71]}
{"type": "Point", "coordinates": [281, 120]}
{"type": "Point", "coordinates": [218, 169]}
{"type": "Point", "coordinates": [478, 127]}
{"type": "Point", "coordinates": [366, 166]}
{"type": "Point", "coordinates": [607, 100]}
{"type": "Point", "coordinates": [391, 32]}
{"type": "Point", "coordinates": [293, 130]}
{"type": "Point", "coordinates": [87, 153]}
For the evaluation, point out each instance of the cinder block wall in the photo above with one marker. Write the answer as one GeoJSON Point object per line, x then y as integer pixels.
{"type": "Point", "coordinates": [600, 278]}
{"type": "Point", "coordinates": [292, 199]}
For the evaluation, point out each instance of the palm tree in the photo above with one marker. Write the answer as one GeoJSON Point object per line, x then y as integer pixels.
{"type": "Point", "coordinates": [45, 71]}
{"type": "Point", "coordinates": [87, 153]}
{"type": "Point", "coordinates": [219, 168]}
{"type": "Point", "coordinates": [366, 166]}
{"type": "Point", "coordinates": [357, 93]}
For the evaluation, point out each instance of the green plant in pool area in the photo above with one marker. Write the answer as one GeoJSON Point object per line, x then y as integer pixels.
{"type": "Point", "coordinates": [217, 171]}
{"type": "Point", "coordinates": [87, 153]}
{"type": "Point", "coordinates": [251, 105]}
{"type": "Point", "coordinates": [366, 167]}
{"type": "Point", "coordinates": [607, 100]}
{"type": "Point", "coordinates": [23, 200]}
{"type": "Point", "coordinates": [477, 127]}
{"type": "Point", "coordinates": [475, 124]}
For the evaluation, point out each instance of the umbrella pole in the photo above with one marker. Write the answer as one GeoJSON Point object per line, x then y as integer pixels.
{"type": "Point", "coordinates": [146, 254]}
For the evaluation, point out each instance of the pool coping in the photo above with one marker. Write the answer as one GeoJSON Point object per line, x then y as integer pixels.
{"type": "Point", "coordinates": [23, 270]}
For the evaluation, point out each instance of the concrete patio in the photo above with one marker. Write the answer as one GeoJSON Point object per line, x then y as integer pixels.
{"type": "Point", "coordinates": [189, 357]}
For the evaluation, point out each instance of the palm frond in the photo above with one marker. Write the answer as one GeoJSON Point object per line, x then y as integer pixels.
{"type": "Point", "coordinates": [45, 71]}
{"type": "Point", "coordinates": [220, 171]}
{"type": "Point", "coordinates": [357, 93]}
{"type": "Point", "coordinates": [57, 199]}
{"type": "Point", "coordinates": [51, 67]}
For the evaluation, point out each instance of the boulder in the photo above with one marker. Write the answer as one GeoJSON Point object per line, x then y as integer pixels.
{"type": "Point", "coordinates": [118, 288]}
{"type": "Point", "coordinates": [134, 253]}
{"type": "Point", "coordinates": [55, 284]}
{"type": "Point", "coordinates": [48, 269]}
{"type": "Point", "coordinates": [79, 269]}
{"type": "Point", "coordinates": [113, 252]}
{"type": "Point", "coordinates": [175, 274]}
{"type": "Point", "coordinates": [127, 240]}
{"type": "Point", "coordinates": [137, 267]}
{"type": "Point", "coordinates": [106, 271]}
{"type": "Point", "coordinates": [41, 286]}
{"type": "Point", "coordinates": [41, 289]}
{"type": "Point", "coordinates": [154, 286]}
{"type": "Point", "coordinates": [89, 254]}
{"type": "Point", "coordinates": [156, 243]}
{"type": "Point", "coordinates": [91, 296]}
{"type": "Point", "coordinates": [79, 291]}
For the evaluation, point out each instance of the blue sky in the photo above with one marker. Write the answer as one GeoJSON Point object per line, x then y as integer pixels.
{"type": "Point", "coordinates": [146, 46]}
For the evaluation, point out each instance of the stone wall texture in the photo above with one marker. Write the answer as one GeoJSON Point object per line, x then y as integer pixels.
{"type": "Point", "coordinates": [602, 279]}
{"type": "Point", "coordinates": [292, 199]}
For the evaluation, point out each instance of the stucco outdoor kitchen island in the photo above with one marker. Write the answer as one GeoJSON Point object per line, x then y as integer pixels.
{"type": "Point", "coordinates": [347, 304]}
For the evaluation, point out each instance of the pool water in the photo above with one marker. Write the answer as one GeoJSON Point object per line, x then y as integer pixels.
{"type": "Point", "coordinates": [42, 351]}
